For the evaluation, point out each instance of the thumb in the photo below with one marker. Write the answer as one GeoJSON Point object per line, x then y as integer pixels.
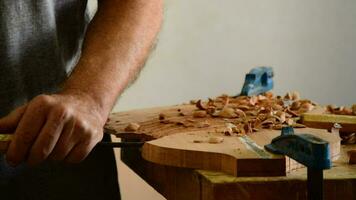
{"type": "Point", "coordinates": [9, 123]}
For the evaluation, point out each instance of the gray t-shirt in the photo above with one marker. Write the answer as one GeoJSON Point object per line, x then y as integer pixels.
{"type": "Point", "coordinates": [40, 43]}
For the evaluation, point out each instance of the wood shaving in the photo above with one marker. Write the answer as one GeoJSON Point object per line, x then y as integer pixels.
{"type": "Point", "coordinates": [342, 110]}
{"type": "Point", "coordinates": [132, 127]}
{"type": "Point", "coordinates": [290, 122]}
{"type": "Point", "coordinates": [295, 96]}
{"type": "Point", "coordinates": [228, 131]}
{"type": "Point", "coordinates": [161, 116]}
{"type": "Point", "coordinates": [354, 109]}
{"type": "Point", "coordinates": [306, 107]}
{"type": "Point", "coordinates": [181, 114]}
{"type": "Point", "coordinates": [288, 96]}
{"type": "Point", "coordinates": [269, 95]}
{"type": "Point", "coordinates": [241, 113]}
{"type": "Point", "coordinates": [200, 105]}
{"type": "Point", "coordinates": [227, 113]}
{"type": "Point", "coordinates": [200, 114]}
{"type": "Point", "coordinates": [215, 140]}
{"type": "Point", "coordinates": [295, 105]}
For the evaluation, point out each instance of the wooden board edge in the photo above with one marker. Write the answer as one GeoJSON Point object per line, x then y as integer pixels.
{"type": "Point", "coordinates": [214, 161]}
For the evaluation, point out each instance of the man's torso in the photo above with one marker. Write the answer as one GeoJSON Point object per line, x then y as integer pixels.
{"type": "Point", "coordinates": [40, 42]}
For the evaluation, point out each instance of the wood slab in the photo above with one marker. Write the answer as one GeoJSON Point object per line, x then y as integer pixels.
{"type": "Point", "coordinates": [236, 155]}
{"type": "Point", "coordinates": [172, 143]}
{"type": "Point", "coordinates": [318, 118]}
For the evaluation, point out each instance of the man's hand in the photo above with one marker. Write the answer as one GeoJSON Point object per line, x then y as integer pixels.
{"type": "Point", "coordinates": [59, 127]}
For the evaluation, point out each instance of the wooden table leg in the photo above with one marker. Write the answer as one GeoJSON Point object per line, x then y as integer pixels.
{"type": "Point", "coordinates": [172, 182]}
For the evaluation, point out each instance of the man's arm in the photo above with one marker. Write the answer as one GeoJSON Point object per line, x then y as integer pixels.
{"type": "Point", "coordinates": [67, 125]}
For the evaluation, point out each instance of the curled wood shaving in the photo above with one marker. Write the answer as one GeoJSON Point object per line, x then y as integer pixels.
{"type": "Point", "coordinates": [161, 116]}
{"type": "Point", "coordinates": [295, 105]}
{"type": "Point", "coordinates": [200, 105]}
{"type": "Point", "coordinates": [240, 113]}
{"type": "Point", "coordinates": [306, 107]}
{"type": "Point", "coordinates": [132, 127]}
{"type": "Point", "coordinates": [228, 131]}
{"type": "Point", "coordinates": [227, 113]}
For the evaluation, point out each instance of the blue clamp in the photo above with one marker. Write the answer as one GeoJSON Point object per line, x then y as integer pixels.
{"type": "Point", "coordinates": [307, 149]}
{"type": "Point", "coordinates": [259, 80]}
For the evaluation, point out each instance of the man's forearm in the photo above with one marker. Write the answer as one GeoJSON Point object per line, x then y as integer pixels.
{"type": "Point", "coordinates": [116, 46]}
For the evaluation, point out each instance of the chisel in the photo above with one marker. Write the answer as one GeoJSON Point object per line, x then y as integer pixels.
{"type": "Point", "coordinates": [5, 140]}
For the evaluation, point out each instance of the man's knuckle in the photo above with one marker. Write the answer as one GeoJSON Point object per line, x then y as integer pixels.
{"type": "Point", "coordinates": [61, 111]}
{"type": "Point", "coordinates": [43, 99]}
{"type": "Point", "coordinates": [81, 126]}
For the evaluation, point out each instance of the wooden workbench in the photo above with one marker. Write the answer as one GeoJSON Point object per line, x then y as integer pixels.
{"type": "Point", "coordinates": [188, 184]}
{"type": "Point", "coordinates": [177, 183]}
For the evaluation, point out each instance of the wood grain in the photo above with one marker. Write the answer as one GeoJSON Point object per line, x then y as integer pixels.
{"type": "Point", "coordinates": [232, 156]}
{"type": "Point", "coordinates": [172, 143]}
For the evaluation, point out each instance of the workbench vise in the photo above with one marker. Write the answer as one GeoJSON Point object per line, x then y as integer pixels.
{"type": "Point", "coordinates": [308, 150]}
{"type": "Point", "coordinates": [259, 80]}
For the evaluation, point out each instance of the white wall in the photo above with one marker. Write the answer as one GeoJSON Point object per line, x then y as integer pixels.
{"type": "Point", "coordinates": [207, 46]}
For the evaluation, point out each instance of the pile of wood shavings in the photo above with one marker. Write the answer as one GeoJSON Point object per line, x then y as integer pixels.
{"type": "Point", "coordinates": [245, 114]}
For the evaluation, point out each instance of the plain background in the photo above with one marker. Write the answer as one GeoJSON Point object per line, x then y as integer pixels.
{"type": "Point", "coordinates": [207, 46]}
